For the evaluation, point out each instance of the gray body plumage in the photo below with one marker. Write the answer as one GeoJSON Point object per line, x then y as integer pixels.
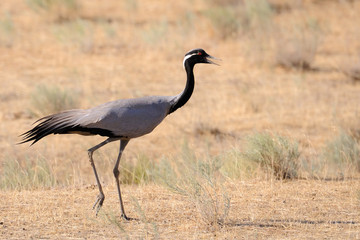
{"type": "Point", "coordinates": [121, 119]}
{"type": "Point", "coordinates": [127, 118]}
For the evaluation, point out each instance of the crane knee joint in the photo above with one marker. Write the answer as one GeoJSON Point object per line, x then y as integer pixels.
{"type": "Point", "coordinates": [90, 153]}
{"type": "Point", "coordinates": [116, 172]}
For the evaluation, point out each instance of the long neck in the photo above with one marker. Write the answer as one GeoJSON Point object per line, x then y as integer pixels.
{"type": "Point", "coordinates": [189, 88]}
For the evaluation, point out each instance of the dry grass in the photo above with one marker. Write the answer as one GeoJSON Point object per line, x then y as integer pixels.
{"type": "Point", "coordinates": [351, 68]}
{"type": "Point", "coordinates": [259, 210]}
{"type": "Point", "coordinates": [201, 181]}
{"type": "Point", "coordinates": [110, 50]}
{"type": "Point", "coordinates": [276, 154]}
{"type": "Point", "coordinates": [296, 50]}
{"type": "Point", "coordinates": [48, 100]}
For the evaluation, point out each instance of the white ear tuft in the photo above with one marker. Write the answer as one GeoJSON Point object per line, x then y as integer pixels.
{"type": "Point", "coordinates": [187, 57]}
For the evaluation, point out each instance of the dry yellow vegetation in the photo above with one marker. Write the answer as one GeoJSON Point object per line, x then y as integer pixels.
{"type": "Point", "coordinates": [99, 51]}
{"type": "Point", "coordinates": [259, 210]}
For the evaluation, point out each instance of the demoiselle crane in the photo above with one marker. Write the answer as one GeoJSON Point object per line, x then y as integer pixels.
{"type": "Point", "coordinates": [119, 120]}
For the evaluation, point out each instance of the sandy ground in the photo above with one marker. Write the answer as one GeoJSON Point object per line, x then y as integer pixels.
{"type": "Point", "coordinates": [259, 210]}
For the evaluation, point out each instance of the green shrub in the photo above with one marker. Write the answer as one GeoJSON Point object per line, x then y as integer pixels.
{"type": "Point", "coordinates": [51, 99]}
{"type": "Point", "coordinates": [224, 20]}
{"type": "Point", "coordinates": [275, 154]}
{"type": "Point", "coordinates": [235, 17]}
{"type": "Point", "coordinates": [236, 166]}
{"type": "Point", "coordinates": [297, 47]}
{"type": "Point", "coordinates": [77, 32]}
{"type": "Point", "coordinates": [156, 33]}
{"type": "Point", "coordinates": [7, 31]}
{"type": "Point", "coordinates": [59, 10]}
{"type": "Point", "coordinates": [343, 152]}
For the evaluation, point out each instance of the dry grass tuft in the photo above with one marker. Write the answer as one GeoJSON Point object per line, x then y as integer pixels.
{"type": "Point", "coordinates": [235, 166]}
{"type": "Point", "coordinates": [142, 171]}
{"type": "Point", "coordinates": [146, 228]}
{"type": "Point", "coordinates": [25, 174]}
{"type": "Point", "coordinates": [56, 10]}
{"type": "Point", "coordinates": [352, 69]}
{"type": "Point", "coordinates": [234, 17]}
{"type": "Point", "coordinates": [156, 33]}
{"type": "Point", "coordinates": [297, 47]}
{"type": "Point", "coordinates": [343, 156]}
{"type": "Point", "coordinates": [276, 154]}
{"type": "Point", "coordinates": [201, 181]}
{"type": "Point", "coordinates": [7, 30]}
{"type": "Point", "coordinates": [78, 33]}
{"type": "Point", "coordinates": [47, 99]}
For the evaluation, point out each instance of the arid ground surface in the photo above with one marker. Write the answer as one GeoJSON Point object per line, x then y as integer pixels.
{"type": "Point", "coordinates": [97, 51]}
{"type": "Point", "coordinates": [259, 210]}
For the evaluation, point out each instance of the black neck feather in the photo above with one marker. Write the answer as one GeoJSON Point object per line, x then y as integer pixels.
{"type": "Point", "coordinates": [189, 88]}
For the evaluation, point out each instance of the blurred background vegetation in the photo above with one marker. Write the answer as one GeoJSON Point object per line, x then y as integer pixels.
{"type": "Point", "coordinates": [283, 105]}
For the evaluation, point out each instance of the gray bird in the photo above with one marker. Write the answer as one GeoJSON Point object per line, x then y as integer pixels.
{"type": "Point", "coordinates": [119, 120]}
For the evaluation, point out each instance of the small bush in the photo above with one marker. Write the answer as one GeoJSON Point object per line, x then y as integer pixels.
{"type": "Point", "coordinates": [224, 20]}
{"type": "Point", "coordinates": [136, 173]}
{"type": "Point", "coordinates": [275, 154]}
{"type": "Point", "coordinates": [58, 10]}
{"type": "Point", "coordinates": [77, 32]}
{"type": "Point", "coordinates": [51, 99]}
{"type": "Point", "coordinates": [258, 14]}
{"type": "Point", "coordinates": [7, 31]}
{"type": "Point", "coordinates": [234, 17]}
{"type": "Point", "coordinates": [26, 174]}
{"type": "Point", "coordinates": [201, 181]}
{"type": "Point", "coordinates": [296, 52]}
{"type": "Point", "coordinates": [235, 166]}
{"type": "Point", "coordinates": [131, 5]}
{"type": "Point", "coordinates": [296, 48]}
{"type": "Point", "coordinates": [343, 152]}
{"type": "Point", "coordinates": [352, 69]}
{"type": "Point", "coordinates": [156, 33]}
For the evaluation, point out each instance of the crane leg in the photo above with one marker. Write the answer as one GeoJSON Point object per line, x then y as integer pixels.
{"type": "Point", "coordinates": [101, 197]}
{"type": "Point", "coordinates": [116, 172]}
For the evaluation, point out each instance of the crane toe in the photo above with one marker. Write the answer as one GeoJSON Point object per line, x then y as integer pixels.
{"type": "Point", "coordinates": [123, 216]}
{"type": "Point", "coordinates": [99, 202]}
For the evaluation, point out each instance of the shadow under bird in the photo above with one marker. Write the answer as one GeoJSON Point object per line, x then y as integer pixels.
{"type": "Point", "coordinates": [119, 120]}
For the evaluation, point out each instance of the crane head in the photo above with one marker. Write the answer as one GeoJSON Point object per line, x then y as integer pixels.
{"type": "Point", "coordinates": [198, 55]}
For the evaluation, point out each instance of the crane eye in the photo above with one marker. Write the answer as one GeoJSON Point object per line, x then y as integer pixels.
{"type": "Point", "coordinates": [199, 53]}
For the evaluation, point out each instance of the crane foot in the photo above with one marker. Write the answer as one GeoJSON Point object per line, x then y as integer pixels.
{"type": "Point", "coordinates": [123, 216]}
{"type": "Point", "coordinates": [99, 202]}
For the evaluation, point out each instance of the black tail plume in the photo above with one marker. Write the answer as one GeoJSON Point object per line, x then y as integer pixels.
{"type": "Point", "coordinates": [61, 123]}
{"type": "Point", "coordinates": [52, 124]}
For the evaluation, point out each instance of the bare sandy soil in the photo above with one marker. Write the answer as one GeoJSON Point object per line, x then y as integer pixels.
{"type": "Point", "coordinates": [259, 210]}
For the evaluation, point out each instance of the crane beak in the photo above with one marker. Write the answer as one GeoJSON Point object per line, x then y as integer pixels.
{"type": "Point", "coordinates": [208, 57]}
